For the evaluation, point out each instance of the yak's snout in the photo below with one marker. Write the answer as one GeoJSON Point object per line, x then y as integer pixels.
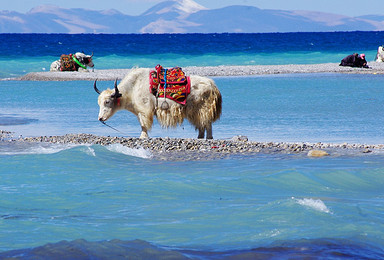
{"type": "Point", "coordinates": [105, 113]}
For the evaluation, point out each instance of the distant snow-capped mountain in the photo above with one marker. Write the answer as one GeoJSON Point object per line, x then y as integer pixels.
{"type": "Point", "coordinates": [181, 7]}
{"type": "Point", "coordinates": [181, 16]}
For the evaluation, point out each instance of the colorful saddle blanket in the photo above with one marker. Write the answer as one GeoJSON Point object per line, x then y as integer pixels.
{"type": "Point", "coordinates": [173, 82]}
{"type": "Point", "coordinates": [67, 63]}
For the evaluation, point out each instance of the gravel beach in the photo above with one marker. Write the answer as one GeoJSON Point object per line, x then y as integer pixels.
{"type": "Point", "coordinates": [212, 71]}
{"type": "Point", "coordinates": [200, 149]}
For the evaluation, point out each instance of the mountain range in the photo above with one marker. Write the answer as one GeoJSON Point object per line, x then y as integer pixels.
{"type": "Point", "coordinates": [182, 16]}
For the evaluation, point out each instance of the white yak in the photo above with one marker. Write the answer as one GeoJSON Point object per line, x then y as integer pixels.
{"type": "Point", "coordinates": [80, 62]}
{"type": "Point", "coordinates": [203, 104]}
{"type": "Point", "coordinates": [380, 54]}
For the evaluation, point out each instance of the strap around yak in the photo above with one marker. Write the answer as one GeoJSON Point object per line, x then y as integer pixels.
{"type": "Point", "coordinates": [78, 62]}
{"type": "Point", "coordinates": [165, 79]}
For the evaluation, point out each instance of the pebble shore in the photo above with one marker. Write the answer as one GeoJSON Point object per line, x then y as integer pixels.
{"type": "Point", "coordinates": [210, 71]}
{"type": "Point", "coordinates": [201, 149]}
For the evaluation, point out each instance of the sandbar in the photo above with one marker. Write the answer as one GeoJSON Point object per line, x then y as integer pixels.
{"type": "Point", "coordinates": [181, 149]}
{"type": "Point", "coordinates": [210, 71]}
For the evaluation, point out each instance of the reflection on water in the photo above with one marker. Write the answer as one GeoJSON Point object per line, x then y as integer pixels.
{"type": "Point", "coordinates": [15, 120]}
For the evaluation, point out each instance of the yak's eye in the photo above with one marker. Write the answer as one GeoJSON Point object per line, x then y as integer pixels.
{"type": "Point", "coordinates": [107, 102]}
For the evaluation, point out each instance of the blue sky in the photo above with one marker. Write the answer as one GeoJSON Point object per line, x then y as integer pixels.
{"type": "Point", "coordinates": [136, 7]}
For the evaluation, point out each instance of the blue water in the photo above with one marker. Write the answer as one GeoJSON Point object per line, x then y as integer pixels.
{"type": "Point", "coordinates": [22, 53]}
{"type": "Point", "coordinates": [95, 201]}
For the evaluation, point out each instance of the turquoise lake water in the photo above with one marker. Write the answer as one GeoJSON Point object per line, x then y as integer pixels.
{"type": "Point", "coordinates": [51, 192]}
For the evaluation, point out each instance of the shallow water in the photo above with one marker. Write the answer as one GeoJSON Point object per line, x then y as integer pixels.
{"type": "Point", "coordinates": [289, 108]}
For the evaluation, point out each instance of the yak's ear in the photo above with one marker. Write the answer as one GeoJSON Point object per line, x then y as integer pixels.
{"type": "Point", "coordinates": [117, 94]}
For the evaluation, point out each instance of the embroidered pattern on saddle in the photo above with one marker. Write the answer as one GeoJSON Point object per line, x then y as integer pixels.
{"type": "Point", "coordinates": [67, 63]}
{"type": "Point", "coordinates": [176, 85]}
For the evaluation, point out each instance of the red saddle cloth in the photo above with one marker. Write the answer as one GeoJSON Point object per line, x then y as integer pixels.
{"type": "Point", "coordinates": [177, 86]}
{"type": "Point", "coordinates": [67, 63]}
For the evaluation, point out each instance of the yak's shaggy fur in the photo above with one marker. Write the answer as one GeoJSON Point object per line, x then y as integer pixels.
{"type": "Point", "coordinates": [203, 106]}
{"type": "Point", "coordinates": [380, 54]}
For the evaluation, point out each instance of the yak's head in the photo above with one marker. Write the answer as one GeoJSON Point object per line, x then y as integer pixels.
{"type": "Point", "coordinates": [109, 101]}
{"type": "Point", "coordinates": [381, 50]}
{"type": "Point", "coordinates": [85, 59]}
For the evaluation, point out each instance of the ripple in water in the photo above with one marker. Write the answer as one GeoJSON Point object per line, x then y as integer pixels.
{"type": "Point", "coordinates": [10, 120]}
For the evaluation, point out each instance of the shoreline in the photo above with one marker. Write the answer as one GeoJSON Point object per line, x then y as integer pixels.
{"type": "Point", "coordinates": [209, 71]}
{"type": "Point", "coordinates": [165, 148]}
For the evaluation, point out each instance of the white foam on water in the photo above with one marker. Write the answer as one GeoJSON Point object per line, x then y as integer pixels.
{"type": "Point", "coordinates": [315, 204]}
{"type": "Point", "coordinates": [90, 151]}
{"type": "Point", "coordinates": [119, 148]}
{"type": "Point", "coordinates": [34, 149]}
{"type": "Point", "coordinates": [43, 148]}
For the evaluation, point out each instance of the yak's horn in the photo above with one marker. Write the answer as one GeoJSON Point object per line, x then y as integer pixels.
{"type": "Point", "coordinates": [117, 94]}
{"type": "Point", "coordinates": [92, 55]}
{"type": "Point", "coordinates": [96, 89]}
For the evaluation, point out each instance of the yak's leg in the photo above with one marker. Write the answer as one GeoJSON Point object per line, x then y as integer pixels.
{"type": "Point", "coordinates": [144, 133]}
{"type": "Point", "coordinates": [145, 123]}
{"type": "Point", "coordinates": [201, 133]}
{"type": "Point", "coordinates": [209, 132]}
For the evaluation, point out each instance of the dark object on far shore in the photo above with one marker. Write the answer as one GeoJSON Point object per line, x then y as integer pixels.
{"type": "Point", "coordinates": [354, 60]}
